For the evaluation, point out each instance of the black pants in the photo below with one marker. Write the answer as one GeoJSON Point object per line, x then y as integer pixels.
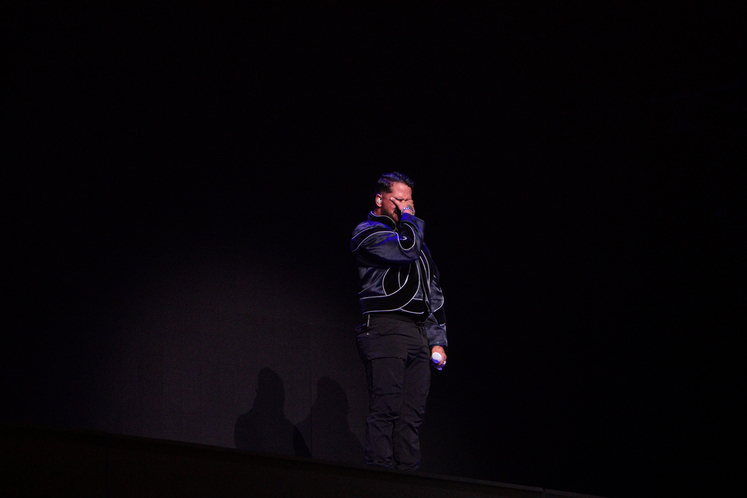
{"type": "Point", "coordinates": [397, 358]}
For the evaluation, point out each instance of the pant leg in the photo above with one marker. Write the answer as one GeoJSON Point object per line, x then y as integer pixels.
{"type": "Point", "coordinates": [385, 377]}
{"type": "Point", "coordinates": [406, 435]}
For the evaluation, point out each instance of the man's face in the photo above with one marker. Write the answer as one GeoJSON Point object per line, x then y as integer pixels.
{"type": "Point", "coordinates": [384, 204]}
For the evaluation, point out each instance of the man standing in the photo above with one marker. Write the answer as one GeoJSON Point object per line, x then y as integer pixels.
{"type": "Point", "coordinates": [404, 322]}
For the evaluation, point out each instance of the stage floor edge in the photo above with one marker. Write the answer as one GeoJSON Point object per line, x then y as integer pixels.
{"type": "Point", "coordinates": [39, 461]}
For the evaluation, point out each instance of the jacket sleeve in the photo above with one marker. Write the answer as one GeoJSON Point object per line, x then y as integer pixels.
{"type": "Point", "coordinates": [435, 325]}
{"type": "Point", "coordinates": [378, 245]}
{"type": "Point", "coordinates": [436, 332]}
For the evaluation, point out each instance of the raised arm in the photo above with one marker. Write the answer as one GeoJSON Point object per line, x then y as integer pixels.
{"type": "Point", "coordinates": [379, 245]}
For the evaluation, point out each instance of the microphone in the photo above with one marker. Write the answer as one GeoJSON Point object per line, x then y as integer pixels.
{"type": "Point", "coordinates": [436, 358]}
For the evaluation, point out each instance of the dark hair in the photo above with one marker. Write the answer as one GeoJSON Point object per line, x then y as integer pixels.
{"type": "Point", "coordinates": [384, 184]}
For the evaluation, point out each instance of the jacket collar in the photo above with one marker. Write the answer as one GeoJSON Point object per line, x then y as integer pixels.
{"type": "Point", "coordinates": [386, 220]}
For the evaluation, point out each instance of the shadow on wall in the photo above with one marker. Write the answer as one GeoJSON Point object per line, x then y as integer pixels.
{"type": "Point", "coordinates": [265, 429]}
{"type": "Point", "coordinates": [327, 426]}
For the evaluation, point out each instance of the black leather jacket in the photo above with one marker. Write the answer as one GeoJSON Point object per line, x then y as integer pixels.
{"type": "Point", "coordinates": [397, 273]}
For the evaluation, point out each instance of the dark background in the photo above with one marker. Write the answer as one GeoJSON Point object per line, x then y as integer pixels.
{"type": "Point", "coordinates": [180, 184]}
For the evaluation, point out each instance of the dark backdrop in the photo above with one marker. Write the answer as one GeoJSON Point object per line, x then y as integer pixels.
{"type": "Point", "coordinates": [180, 184]}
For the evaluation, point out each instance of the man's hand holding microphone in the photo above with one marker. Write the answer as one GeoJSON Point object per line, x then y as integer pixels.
{"type": "Point", "coordinates": [438, 357]}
